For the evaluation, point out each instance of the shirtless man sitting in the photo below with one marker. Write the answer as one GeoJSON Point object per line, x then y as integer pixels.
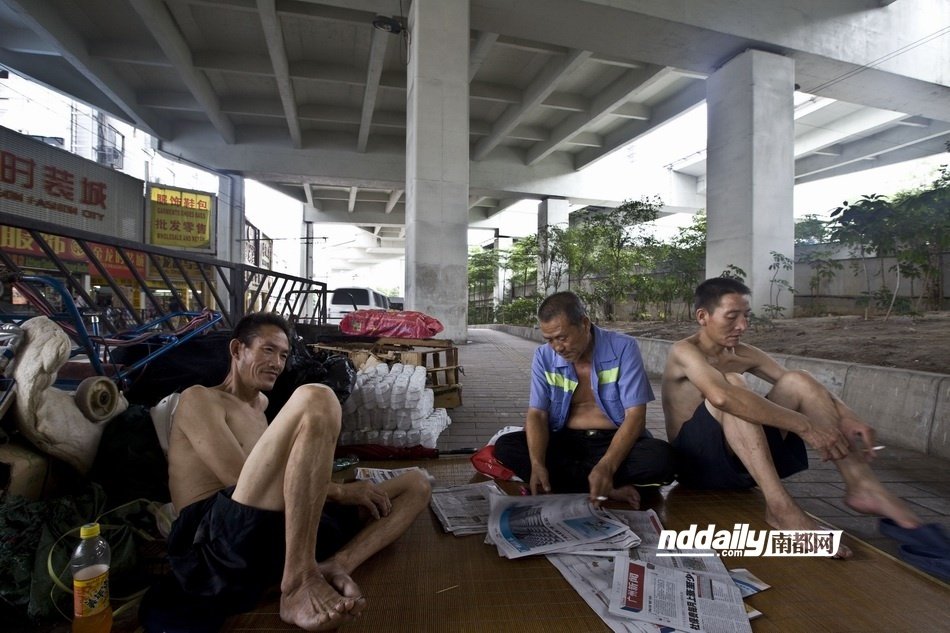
{"type": "Point", "coordinates": [726, 436]}
{"type": "Point", "coordinates": [586, 424]}
{"type": "Point", "coordinates": [250, 496]}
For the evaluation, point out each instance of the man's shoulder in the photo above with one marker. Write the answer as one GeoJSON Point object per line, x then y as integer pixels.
{"type": "Point", "coordinates": [685, 345]}
{"type": "Point", "coordinates": [199, 391]}
{"type": "Point", "coordinates": [614, 338]}
{"type": "Point", "coordinates": [199, 395]}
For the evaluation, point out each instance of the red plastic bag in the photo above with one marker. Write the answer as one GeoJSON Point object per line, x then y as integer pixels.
{"type": "Point", "coordinates": [486, 463]}
{"type": "Point", "coordinates": [405, 324]}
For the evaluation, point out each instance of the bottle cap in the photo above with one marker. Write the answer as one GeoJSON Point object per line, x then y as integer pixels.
{"type": "Point", "coordinates": [89, 530]}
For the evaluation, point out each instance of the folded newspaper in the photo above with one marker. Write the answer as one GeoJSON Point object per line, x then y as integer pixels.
{"type": "Point", "coordinates": [593, 578]}
{"type": "Point", "coordinates": [379, 475]}
{"type": "Point", "coordinates": [464, 509]}
{"type": "Point", "coordinates": [684, 599]}
{"type": "Point", "coordinates": [541, 524]}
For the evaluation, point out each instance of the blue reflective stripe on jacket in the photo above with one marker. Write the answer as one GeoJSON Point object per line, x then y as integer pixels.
{"type": "Point", "coordinates": [618, 379]}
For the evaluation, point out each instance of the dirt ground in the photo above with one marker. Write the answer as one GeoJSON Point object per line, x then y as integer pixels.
{"type": "Point", "coordinates": [921, 343]}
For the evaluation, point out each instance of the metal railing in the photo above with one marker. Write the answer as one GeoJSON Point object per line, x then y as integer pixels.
{"type": "Point", "coordinates": [150, 282]}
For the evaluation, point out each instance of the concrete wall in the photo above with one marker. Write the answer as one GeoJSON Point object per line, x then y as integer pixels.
{"type": "Point", "coordinates": [840, 294]}
{"type": "Point", "coordinates": [909, 409]}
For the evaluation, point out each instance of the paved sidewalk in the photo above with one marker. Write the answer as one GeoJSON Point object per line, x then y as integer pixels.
{"type": "Point", "coordinates": [495, 393]}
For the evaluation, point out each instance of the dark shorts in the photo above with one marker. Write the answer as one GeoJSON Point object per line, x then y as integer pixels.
{"type": "Point", "coordinates": [572, 454]}
{"type": "Point", "coordinates": [705, 461]}
{"type": "Point", "coordinates": [219, 547]}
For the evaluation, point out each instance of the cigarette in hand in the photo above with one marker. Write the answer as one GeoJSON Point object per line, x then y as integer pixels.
{"type": "Point", "coordinates": [877, 448]}
{"type": "Point", "coordinates": [600, 498]}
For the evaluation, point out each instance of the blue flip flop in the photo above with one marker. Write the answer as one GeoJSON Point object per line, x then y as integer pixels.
{"type": "Point", "coordinates": [924, 560]}
{"type": "Point", "coordinates": [927, 540]}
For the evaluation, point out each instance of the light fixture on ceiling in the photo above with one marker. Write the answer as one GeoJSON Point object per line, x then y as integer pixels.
{"type": "Point", "coordinates": [390, 25]}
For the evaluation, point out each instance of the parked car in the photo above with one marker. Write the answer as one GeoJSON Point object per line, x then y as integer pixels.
{"type": "Point", "coordinates": [345, 300]}
{"type": "Point", "coordinates": [396, 303]}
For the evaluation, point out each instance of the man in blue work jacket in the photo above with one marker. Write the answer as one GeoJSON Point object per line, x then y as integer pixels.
{"type": "Point", "coordinates": [586, 424]}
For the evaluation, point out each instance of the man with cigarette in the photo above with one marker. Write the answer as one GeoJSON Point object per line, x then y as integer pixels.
{"type": "Point", "coordinates": [726, 436]}
{"type": "Point", "coordinates": [586, 423]}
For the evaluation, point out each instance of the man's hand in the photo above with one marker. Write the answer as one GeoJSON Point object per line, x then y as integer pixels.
{"type": "Point", "coordinates": [540, 484]}
{"type": "Point", "coordinates": [853, 428]}
{"type": "Point", "coordinates": [367, 495]}
{"type": "Point", "coordinates": [601, 482]}
{"type": "Point", "coordinates": [831, 443]}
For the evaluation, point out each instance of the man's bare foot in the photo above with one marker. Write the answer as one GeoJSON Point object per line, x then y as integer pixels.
{"type": "Point", "coordinates": [791, 517]}
{"type": "Point", "coordinates": [340, 580]}
{"type": "Point", "coordinates": [875, 499]}
{"type": "Point", "coordinates": [314, 605]}
{"type": "Point", "coordinates": [625, 494]}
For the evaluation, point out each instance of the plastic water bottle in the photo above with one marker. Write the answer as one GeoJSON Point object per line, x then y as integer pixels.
{"type": "Point", "coordinates": [92, 612]}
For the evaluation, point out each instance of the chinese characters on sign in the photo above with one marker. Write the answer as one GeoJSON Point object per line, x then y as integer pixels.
{"type": "Point", "coordinates": [48, 184]}
{"type": "Point", "coordinates": [180, 218]}
{"type": "Point", "coordinates": [22, 248]}
{"type": "Point", "coordinates": [51, 187]}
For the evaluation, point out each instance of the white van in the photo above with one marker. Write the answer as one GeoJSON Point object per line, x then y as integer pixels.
{"type": "Point", "coordinates": [344, 300]}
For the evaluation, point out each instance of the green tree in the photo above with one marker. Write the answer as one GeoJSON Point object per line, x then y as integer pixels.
{"type": "Point", "coordinates": [482, 272]}
{"type": "Point", "coordinates": [523, 263]}
{"type": "Point", "coordinates": [811, 229]}
{"type": "Point", "coordinates": [823, 268]}
{"type": "Point", "coordinates": [686, 261]}
{"type": "Point", "coordinates": [872, 224]}
{"type": "Point", "coordinates": [619, 243]}
{"type": "Point", "coordinates": [925, 235]}
{"type": "Point", "coordinates": [780, 262]}
{"type": "Point", "coordinates": [551, 259]}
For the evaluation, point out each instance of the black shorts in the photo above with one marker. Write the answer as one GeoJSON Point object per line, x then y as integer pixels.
{"type": "Point", "coordinates": [219, 547]}
{"type": "Point", "coordinates": [705, 461]}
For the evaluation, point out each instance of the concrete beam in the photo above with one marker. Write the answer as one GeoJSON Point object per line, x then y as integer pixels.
{"type": "Point", "coordinates": [163, 29]}
{"type": "Point", "coordinates": [539, 89]}
{"type": "Point", "coordinates": [393, 199]}
{"type": "Point", "coordinates": [879, 146]}
{"type": "Point", "coordinates": [479, 51]}
{"type": "Point", "coordinates": [931, 147]}
{"type": "Point", "coordinates": [614, 96]}
{"type": "Point", "coordinates": [665, 111]}
{"type": "Point", "coordinates": [267, 9]}
{"type": "Point", "coordinates": [839, 131]}
{"type": "Point", "coordinates": [374, 69]}
{"type": "Point", "coordinates": [47, 23]}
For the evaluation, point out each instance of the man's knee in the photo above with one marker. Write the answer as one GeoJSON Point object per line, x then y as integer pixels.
{"type": "Point", "coordinates": [314, 404]}
{"type": "Point", "coordinates": [736, 379]}
{"type": "Point", "coordinates": [796, 387]}
{"type": "Point", "coordinates": [418, 486]}
{"type": "Point", "coordinates": [511, 445]}
{"type": "Point", "coordinates": [316, 398]}
{"type": "Point", "coordinates": [656, 458]}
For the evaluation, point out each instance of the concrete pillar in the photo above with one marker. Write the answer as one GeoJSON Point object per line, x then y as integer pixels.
{"type": "Point", "coordinates": [230, 238]}
{"type": "Point", "coordinates": [503, 275]}
{"type": "Point", "coordinates": [551, 277]}
{"type": "Point", "coordinates": [437, 149]}
{"type": "Point", "coordinates": [750, 170]}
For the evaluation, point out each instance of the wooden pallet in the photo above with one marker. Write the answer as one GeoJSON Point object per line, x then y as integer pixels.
{"type": "Point", "coordinates": [439, 357]}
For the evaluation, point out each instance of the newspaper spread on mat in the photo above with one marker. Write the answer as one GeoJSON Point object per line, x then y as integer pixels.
{"type": "Point", "coordinates": [592, 576]}
{"type": "Point", "coordinates": [464, 509]}
{"type": "Point", "coordinates": [379, 475]}
{"type": "Point", "coordinates": [539, 524]}
{"type": "Point", "coordinates": [685, 599]}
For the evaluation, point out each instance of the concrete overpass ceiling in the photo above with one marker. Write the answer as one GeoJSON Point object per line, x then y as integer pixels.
{"type": "Point", "coordinates": [307, 96]}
